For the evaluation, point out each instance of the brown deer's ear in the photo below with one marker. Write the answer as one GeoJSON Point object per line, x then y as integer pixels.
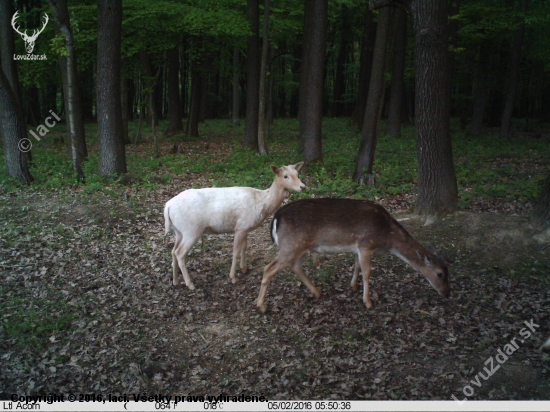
{"type": "Point", "coordinates": [298, 166]}
{"type": "Point", "coordinates": [275, 169]}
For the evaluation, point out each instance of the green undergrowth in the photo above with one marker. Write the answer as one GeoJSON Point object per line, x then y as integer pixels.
{"type": "Point", "coordinates": [486, 166]}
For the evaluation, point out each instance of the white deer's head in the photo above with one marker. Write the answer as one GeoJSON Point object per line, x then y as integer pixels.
{"type": "Point", "coordinates": [29, 40]}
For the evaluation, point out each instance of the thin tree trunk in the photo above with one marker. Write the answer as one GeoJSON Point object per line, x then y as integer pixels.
{"type": "Point", "coordinates": [124, 101]}
{"type": "Point", "coordinates": [195, 104]}
{"type": "Point", "coordinates": [365, 161]}
{"type": "Point", "coordinates": [513, 79]}
{"type": "Point", "coordinates": [253, 77]}
{"type": "Point", "coordinates": [71, 92]}
{"type": "Point", "coordinates": [235, 92]}
{"type": "Point", "coordinates": [339, 92]}
{"type": "Point", "coordinates": [175, 114]}
{"type": "Point", "coordinates": [7, 49]}
{"type": "Point", "coordinates": [270, 90]}
{"type": "Point", "coordinates": [112, 156]}
{"type": "Point", "coordinates": [149, 83]}
{"type": "Point", "coordinates": [481, 92]}
{"type": "Point", "coordinates": [14, 133]}
{"type": "Point", "coordinates": [437, 189]}
{"type": "Point", "coordinates": [262, 145]}
{"type": "Point", "coordinates": [365, 67]}
{"type": "Point", "coordinates": [311, 108]}
{"type": "Point", "coordinates": [541, 208]}
{"type": "Point", "coordinates": [398, 73]}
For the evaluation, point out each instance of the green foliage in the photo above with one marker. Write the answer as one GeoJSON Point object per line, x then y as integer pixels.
{"type": "Point", "coordinates": [34, 322]}
{"type": "Point", "coordinates": [486, 166]}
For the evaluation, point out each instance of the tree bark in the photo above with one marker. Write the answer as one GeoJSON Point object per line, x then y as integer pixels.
{"type": "Point", "coordinates": [437, 189]}
{"type": "Point", "coordinates": [235, 92]}
{"type": "Point", "coordinates": [71, 89]}
{"type": "Point", "coordinates": [7, 49]}
{"type": "Point", "coordinates": [262, 145]}
{"type": "Point", "coordinates": [195, 104]}
{"type": "Point", "coordinates": [365, 161]}
{"type": "Point", "coordinates": [14, 133]}
{"type": "Point", "coordinates": [481, 91]}
{"type": "Point", "coordinates": [398, 72]}
{"type": "Point", "coordinates": [365, 67]}
{"type": "Point", "coordinates": [149, 80]}
{"type": "Point", "coordinates": [541, 208]}
{"type": "Point", "coordinates": [253, 77]}
{"type": "Point", "coordinates": [175, 114]}
{"type": "Point", "coordinates": [339, 92]}
{"type": "Point", "coordinates": [513, 79]}
{"type": "Point", "coordinates": [311, 108]}
{"type": "Point", "coordinates": [112, 155]}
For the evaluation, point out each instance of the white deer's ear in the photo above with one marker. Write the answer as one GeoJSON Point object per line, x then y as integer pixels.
{"type": "Point", "coordinates": [275, 169]}
{"type": "Point", "coordinates": [298, 166]}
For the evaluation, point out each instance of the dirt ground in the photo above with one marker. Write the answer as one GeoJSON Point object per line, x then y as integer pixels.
{"type": "Point", "coordinates": [104, 264]}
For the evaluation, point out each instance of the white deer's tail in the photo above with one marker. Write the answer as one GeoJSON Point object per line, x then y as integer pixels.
{"type": "Point", "coordinates": [167, 221]}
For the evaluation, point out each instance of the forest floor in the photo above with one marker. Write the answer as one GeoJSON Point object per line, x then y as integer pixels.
{"type": "Point", "coordinates": [88, 307]}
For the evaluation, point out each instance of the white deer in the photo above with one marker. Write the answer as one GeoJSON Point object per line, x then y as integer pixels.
{"type": "Point", "coordinates": [224, 210]}
{"type": "Point", "coordinates": [29, 40]}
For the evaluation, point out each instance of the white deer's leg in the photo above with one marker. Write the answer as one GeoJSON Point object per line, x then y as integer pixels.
{"type": "Point", "coordinates": [181, 252]}
{"type": "Point", "coordinates": [175, 267]}
{"type": "Point", "coordinates": [244, 267]}
{"type": "Point", "coordinates": [355, 273]}
{"type": "Point", "coordinates": [365, 258]}
{"type": "Point", "coordinates": [240, 237]}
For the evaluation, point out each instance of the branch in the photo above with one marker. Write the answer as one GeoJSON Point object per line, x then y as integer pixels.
{"type": "Point", "coordinates": [377, 4]}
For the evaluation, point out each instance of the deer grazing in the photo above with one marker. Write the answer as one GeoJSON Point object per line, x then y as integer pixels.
{"type": "Point", "coordinates": [195, 212]}
{"type": "Point", "coordinates": [361, 227]}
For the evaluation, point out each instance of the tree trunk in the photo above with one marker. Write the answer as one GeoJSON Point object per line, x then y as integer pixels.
{"type": "Point", "coordinates": [253, 77]}
{"type": "Point", "coordinates": [481, 92]}
{"type": "Point", "coordinates": [311, 107]}
{"type": "Point", "coordinates": [195, 104]}
{"type": "Point", "coordinates": [262, 146]}
{"type": "Point", "coordinates": [14, 133]}
{"type": "Point", "coordinates": [365, 67]}
{"type": "Point", "coordinates": [112, 156]}
{"type": "Point", "coordinates": [124, 103]}
{"type": "Point", "coordinates": [541, 209]}
{"type": "Point", "coordinates": [339, 92]}
{"type": "Point", "coordinates": [7, 49]}
{"type": "Point", "coordinates": [71, 89]}
{"type": "Point", "coordinates": [365, 161]}
{"type": "Point", "coordinates": [513, 79]}
{"type": "Point", "coordinates": [149, 80]}
{"type": "Point", "coordinates": [398, 73]}
{"type": "Point", "coordinates": [437, 189]}
{"type": "Point", "coordinates": [175, 114]}
{"type": "Point", "coordinates": [235, 92]}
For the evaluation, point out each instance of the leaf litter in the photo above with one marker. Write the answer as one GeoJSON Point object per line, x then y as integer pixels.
{"type": "Point", "coordinates": [88, 306]}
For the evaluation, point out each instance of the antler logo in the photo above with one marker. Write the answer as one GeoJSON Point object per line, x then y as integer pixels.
{"type": "Point", "coordinates": [29, 40]}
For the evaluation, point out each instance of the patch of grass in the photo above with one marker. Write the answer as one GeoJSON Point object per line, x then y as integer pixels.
{"type": "Point", "coordinates": [486, 166]}
{"type": "Point", "coordinates": [32, 322]}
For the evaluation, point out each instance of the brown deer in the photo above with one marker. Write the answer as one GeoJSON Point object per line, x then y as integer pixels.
{"type": "Point", "coordinates": [361, 227]}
